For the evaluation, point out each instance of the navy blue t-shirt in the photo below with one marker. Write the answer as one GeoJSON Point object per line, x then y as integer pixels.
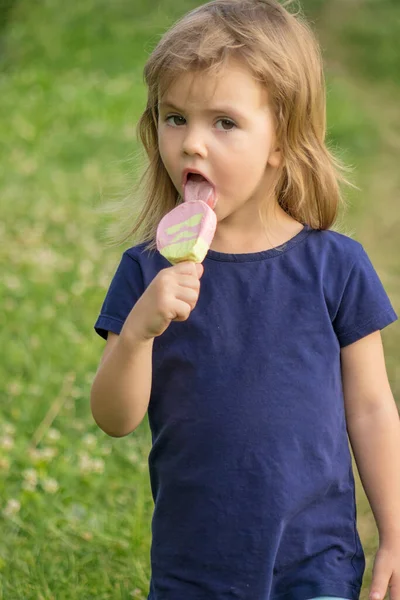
{"type": "Point", "coordinates": [250, 465]}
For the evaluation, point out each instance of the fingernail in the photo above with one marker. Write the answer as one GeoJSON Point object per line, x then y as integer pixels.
{"type": "Point", "coordinates": [375, 596]}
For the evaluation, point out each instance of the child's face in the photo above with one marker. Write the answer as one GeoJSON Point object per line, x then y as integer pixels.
{"type": "Point", "coordinates": [234, 146]}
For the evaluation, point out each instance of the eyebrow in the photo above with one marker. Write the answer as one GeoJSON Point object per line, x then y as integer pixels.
{"type": "Point", "coordinates": [216, 109]}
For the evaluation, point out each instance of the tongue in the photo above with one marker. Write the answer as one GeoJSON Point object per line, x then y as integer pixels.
{"type": "Point", "coordinates": [198, 190]}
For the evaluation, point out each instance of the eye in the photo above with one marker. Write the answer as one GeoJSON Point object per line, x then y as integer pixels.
{"type": "Point", "coordinates": [227, 122]}
{"type": "Point", "coordinates": [174, 117]}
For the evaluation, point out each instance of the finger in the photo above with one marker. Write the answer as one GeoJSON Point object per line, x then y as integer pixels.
{"type": "Point", "coordinates": [187, 267]}
{"type": "Point", "coordinates": [380, 578]}
{"type": "Point", "coordinates": [183, 311]}
{"type": "Point", "coordinates": [189, 282]}
{"type": "Point", "coordinates": [188, 295]}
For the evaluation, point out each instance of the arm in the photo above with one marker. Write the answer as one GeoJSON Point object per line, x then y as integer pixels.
{"type": "Point", "coordinates": [121, 388]}
{"type": "Point", "coordinates": [373, 427]}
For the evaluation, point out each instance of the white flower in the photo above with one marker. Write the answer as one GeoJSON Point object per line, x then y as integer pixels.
{"type": "Point", "coordinates": [98, 465]}
{"type": "Point", "coordinates": [106, 450]}
{"type": "Point", "coordinates": [89, 440]}
{"type": "Point", "coordinates": [50, 485]}
{"type": "Point", "coordinates": [4, 464]}
{"type": "Point", "coordinates": [85, 267]}
{"type": "Point", "coordinates": [13, 506]}
{"type": "Point", "coordinates": [142, 466]}
{"type": "Point", "coordinates": [9, 429]}
{"type": "Point", "coordinates": [90, 375]}
{"type": "Point", "coordinates": [30, 486]}
{"type": "Point", "coordinates": [35, 455]}
{"type": "Point", "coordinates": [133, 457]}
{"type": "Point", "coordinates": [46, 454]}
{"type": "Point", "coordinates": [14, 388]}
{"type": "Point", "coordinates": [49, 453]}
{"type": "Point", "coordinates": [53, 434]}
{"type": "Point", "coordinates": [30, 475]}
{"type": "Point", "coordinates": [7, 442]}
{"type": "Point", "coordinates": [87, 465]}
{"type": "Point", "coordinates": [76, 392]}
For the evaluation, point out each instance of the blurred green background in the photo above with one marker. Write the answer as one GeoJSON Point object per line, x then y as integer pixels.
{"type": "Point", "coordinates": [75, 505]}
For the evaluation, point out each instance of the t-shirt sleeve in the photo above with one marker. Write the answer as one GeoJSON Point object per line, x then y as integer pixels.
{"type": "Point", "coordinates": [125, 290]}
{"type": "Point", "coordinates": [364, 306]}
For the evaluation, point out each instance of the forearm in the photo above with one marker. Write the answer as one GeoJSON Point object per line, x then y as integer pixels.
{"type": "Point", "coordinates": [121, 389]}
{"type": "Point", "coordinates": [375, 440]}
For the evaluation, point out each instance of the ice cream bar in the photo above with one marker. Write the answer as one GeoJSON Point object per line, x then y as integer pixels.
{"type": "Point", "coordinates": [186, 232]}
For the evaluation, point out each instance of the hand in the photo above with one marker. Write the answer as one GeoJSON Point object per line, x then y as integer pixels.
{"type": "Point", "coordinates": [386, 572]}
{"type": "Point", "coordinates": [171, 296]}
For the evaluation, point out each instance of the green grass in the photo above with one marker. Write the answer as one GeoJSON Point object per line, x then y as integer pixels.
{"type": "Point", "coordinates": [75, 505]}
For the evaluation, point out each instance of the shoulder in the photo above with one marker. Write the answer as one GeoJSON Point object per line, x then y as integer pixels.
{"type": "Point", "coordinates": [333, 240]}
{"type": "Point", "coordinates": [335, 250]}
{"type": "Point", "coordinates": [137, 251]}
{"type": "Point", "coordinates": [336, 260]}
{"type": "Point", "coordinates": [141, 253]}
{"type": "Point", "coordinates": [149, 260]}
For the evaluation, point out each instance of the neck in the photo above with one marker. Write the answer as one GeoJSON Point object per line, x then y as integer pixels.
{"type": "Point", "coordinates": [279, 228]}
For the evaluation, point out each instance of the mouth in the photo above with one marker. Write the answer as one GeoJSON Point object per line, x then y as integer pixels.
{"type": "Point", "coordinates": [197, 187]}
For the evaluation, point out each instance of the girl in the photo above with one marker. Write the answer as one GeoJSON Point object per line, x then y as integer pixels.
{"type": "Point", "coordinates": [251, 382]}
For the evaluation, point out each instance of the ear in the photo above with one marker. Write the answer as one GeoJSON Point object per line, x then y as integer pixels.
{"type": "Point", "coordinates": [275, 158]}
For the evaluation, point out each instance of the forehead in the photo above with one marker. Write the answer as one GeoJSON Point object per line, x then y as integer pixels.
{"type": "Point", "coordinates": [233, 82]}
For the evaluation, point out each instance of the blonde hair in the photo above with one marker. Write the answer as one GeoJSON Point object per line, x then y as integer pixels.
{"type": "Point", "coordinates": [282, 52]}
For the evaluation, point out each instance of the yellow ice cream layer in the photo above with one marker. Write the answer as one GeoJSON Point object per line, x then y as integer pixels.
{"type": "Point", "coordinates": [194, 250]}
{"type": "Point", "coordinates": [193, 221]}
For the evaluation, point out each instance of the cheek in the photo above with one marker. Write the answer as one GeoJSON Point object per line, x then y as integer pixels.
{"type": "Point", "coordinates": [246, 167]}
{"type": "Point", "coordinates": [169, 161]}
{"type": "Point", "coordinates": [248, 147]}
{"type": "Point", "coordinates": [168, 145]}
{"type": "Point", "coordinates": [165, 152]}
{"type": "Point", "coordinates": [243, 176]}
{"type": "Point", "coordinates": [251, 155]}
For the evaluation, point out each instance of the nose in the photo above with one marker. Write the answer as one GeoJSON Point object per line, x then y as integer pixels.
{"type": "Point", "coordinates": [194, 142]}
